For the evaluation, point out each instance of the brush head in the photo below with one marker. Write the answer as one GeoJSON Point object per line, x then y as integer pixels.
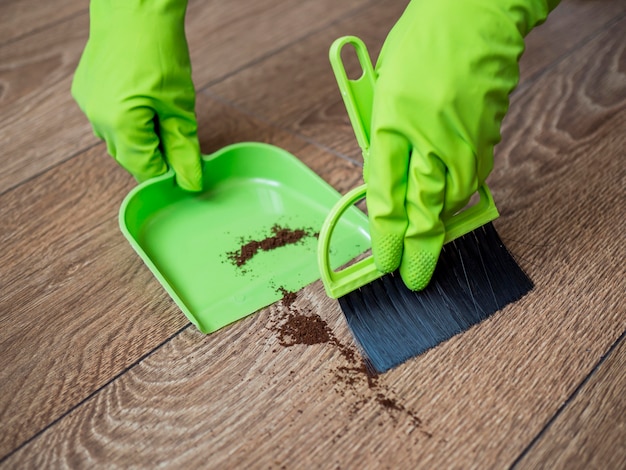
{"type": "Point", "coordinates": [476, 276]}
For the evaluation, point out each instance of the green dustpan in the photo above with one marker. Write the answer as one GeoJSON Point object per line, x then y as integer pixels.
{"type": "Point", "coordinates": [186, 239]}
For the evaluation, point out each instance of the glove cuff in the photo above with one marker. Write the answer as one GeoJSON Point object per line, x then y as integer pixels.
{"type": "Point", "coordinates": [162, 11]}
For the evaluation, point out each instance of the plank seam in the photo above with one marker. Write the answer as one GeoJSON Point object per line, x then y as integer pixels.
{"type": "Point", "coordinates": [49, 168]}
{"type": "Point", "coordinates": [93, 394]}
{"type": "Point", "coordinates": [567, 402]}
{"type": "Point", "coordinates": [576, 47]}
{"type": "Point", "coordinates": [278, 50]}
{"type": "Point", "coordinates": [204, 89]}
{"type": "Point", "coordinates": [534, 77]}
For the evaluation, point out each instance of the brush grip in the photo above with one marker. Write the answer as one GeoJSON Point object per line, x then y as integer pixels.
{"type": "Point", "coordinates": [341, 282]}
{"type": "Point", "coordinates": [358, 96]}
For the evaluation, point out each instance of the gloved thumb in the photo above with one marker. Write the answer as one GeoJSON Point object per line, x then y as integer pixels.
{"type": "Point", "coordinates": [179, 140]}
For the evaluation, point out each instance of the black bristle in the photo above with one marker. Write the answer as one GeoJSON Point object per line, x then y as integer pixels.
{"type": "Point", "coordinates": [476, 276]}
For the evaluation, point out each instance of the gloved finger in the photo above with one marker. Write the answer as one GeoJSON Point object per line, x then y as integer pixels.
{"type": "Point", "coordinates": [132, 141]}
{"type": "Point", "coordinates": [386, 192]}
{"type": "Point", "coordinates": [425, 231]}
{"type": "Point", "coordinates": [447, 135]}
{"type": "Point", "coordinates": [179, 140]}
{"type": "Point", "coordinates": [461, 176]}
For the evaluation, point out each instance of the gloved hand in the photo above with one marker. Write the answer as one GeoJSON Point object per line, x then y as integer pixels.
{"type": "Point", "coordinates": [134, 84]}
{"type": "Point", "coordinates": [444, 76]}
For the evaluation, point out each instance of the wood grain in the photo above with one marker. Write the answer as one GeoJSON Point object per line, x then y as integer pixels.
{"type": "Point", "coordinates": [570, 25]}
{"type": "Point", "coordinates": [40, 125]}
{"type": "Point", "coordinates": [240, 399]}
{"type": "Point", "coordinates": [78, 305]}
{"type": "Point", "coordinates": [305, 100]}
{"type": "Point", "coordinates": [71, 315]}
{"type": "Point", "coordinates": [100, 369]}
{"type": "Point", "coordinates": [225, 37]}
{"type": "Point", "coordinates": [21, 17]}
{"type": "Point", "coordinates": [591, 432]}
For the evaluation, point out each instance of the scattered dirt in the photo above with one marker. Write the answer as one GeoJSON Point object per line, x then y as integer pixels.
{"type": "Point", "coordinates": [356, 380]}
{"type": "Point", "coordinates": [281, 237]}
{"type": "Point", "coordinates": [288, 297]}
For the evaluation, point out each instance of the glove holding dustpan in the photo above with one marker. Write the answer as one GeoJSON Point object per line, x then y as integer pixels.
{"type": "Point", "coordinates": [134, 84]}
{"type": "Point", "coordinates": [443, 80]}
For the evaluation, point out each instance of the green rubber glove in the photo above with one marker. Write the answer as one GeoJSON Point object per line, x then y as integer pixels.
{"type": "Point", "coordinates": [445, 73]}
{"type": "Point", "coordinates": [134, 84]}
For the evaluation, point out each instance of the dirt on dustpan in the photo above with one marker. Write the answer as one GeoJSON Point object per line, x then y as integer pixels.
{"type": "Point", "coordinates": [282, 236]}
{"type": "Point", "coordinates": [297, 326]}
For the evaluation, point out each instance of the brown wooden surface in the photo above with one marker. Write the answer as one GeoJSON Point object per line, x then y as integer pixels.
{"type": "Point", "coordinates": [101, 369]}
{"type": "Point", "coordinates": [591, 430]}
{"type": "Point", "coordinates": [23, 17]}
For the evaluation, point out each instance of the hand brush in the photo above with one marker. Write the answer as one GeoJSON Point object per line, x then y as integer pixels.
{"type": "Point", "coordinates": [475, 275]}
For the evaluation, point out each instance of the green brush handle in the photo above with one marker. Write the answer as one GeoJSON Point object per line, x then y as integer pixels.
{"type": "Point", "coordinates": [358, 97]}
{"type": "Point", "coordinates": [342, 282]}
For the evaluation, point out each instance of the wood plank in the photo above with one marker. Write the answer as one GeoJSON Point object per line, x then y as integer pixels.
{"type": "Point", "coordinates": [305, 100]}
{"type": "Point", "coordinates": [78, 305]}
{"type": "Point", "coordinates": [40, 125]}
{"type": "Point", "coordinates": [36, 71]}
{"type": "Point", "coordinates": [72, 318]}
{"type": "Point", "coordinates": [591, 431]}
{"type": "Point", "coordinates": [21, 17]}
{"type": "Point", "coordinates": [569, 26]}
{"type": "Point", "coordinates": [239, 398]}
{"type": "Point", "coordinates": [227, 36]}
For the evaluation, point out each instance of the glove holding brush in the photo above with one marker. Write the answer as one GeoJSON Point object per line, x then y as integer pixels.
{"type": "Point", "coordinates": [444, 76]}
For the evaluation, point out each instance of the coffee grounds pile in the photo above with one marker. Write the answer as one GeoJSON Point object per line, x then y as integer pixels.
{"type": "Point", "coordinates": [296, 327]}
{"type": "Point", "coordinates": [281, 237]}
{"type": "Point", "coordinates": [300, 328]}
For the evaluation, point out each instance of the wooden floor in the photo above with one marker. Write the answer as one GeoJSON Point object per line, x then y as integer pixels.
{"type": "Point", "coordinates": [99, 368]}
